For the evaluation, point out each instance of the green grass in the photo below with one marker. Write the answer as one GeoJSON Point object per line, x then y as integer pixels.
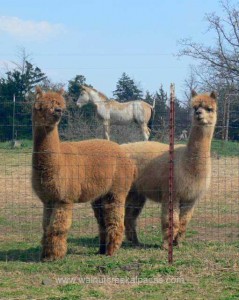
{"type": "Point", "coordinates": [219, 147]}
{"type": "Point", "coordinates": [225, 148]}
{"type": "Point", "coordinates": [200, 270]}
{"type": "Point", "coordinates": [205, 270]}
{"type": "Point", "coordinates": [222, 148]}
{"type": "Point", "coordinates": [25, 144]}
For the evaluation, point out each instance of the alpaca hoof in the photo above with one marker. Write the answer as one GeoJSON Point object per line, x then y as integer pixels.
{"type": "Point", "coordinates": [137, 244]}
{"type": "Point", "coordinates": [110, 249]}
{"type": "Point", "coordinates": [102, 250]}
{"type": "Point", "coordinates": [48, 258]}
{"type": "Point", "coordinates": [165, 245]}
{"type": "Point", "coordinates": [179, 245]}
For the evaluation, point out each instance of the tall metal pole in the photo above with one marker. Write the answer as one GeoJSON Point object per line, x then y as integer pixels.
{"type": "Point", "coordinates": [13, 119]}
{"type": "Point", "coordinates": [171, 172]}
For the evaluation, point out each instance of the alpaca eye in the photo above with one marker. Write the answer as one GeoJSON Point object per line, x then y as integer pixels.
{"type": "Point", "coordinates": [210, 109]}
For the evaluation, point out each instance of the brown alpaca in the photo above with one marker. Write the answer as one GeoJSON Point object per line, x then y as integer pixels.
{"type": "Point", "coordinates": [64, 173]}
{"type": "Point", "coordinates": [192, 172]}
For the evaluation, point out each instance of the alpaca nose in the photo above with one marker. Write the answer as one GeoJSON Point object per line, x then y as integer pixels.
{"type": "Point", "coordinates": [58, 110]}
{"type": "Point", "coordinates": [199, 112]}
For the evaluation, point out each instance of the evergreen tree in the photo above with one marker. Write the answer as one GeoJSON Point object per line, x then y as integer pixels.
{"type": "Point", "coordinates": [18, 85]}
{"type": "Point", "coordinates": [127, 89]}
{"type": "Point", "coordinates": [161, 108]}
{"type": "Point", "coordinates": [75, 86]}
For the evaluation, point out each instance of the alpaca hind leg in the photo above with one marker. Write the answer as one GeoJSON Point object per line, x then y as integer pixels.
{"type": "Point", "coordinates": [99, 215]}
{"type": "Point", "coordinates": [134, 205]}
{"type": "Point", "coordinates": [114, 211]}
{"type": "Point", "coordinates": [165, 223]}
{"type": "Point", "coordinates": [186, 213]}
{"type": "Point", "coordinates": [55, 244]}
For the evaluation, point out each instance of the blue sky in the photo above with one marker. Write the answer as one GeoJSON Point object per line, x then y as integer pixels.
{"type": "Point", "coordinates": [101, 39]}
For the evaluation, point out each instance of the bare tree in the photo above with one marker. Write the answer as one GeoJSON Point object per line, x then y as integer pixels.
{"type": "Point", "coordinates": [23, 58]}
{"type": "Point", "coordinates": [223, 57]}
{"type": "Point", "coordinates": [218, 67]}
{"type": "Point", "coordinates": [190, 83]}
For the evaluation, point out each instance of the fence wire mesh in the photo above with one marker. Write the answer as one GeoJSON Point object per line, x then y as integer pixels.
{"type": "Point", "coordinates": [216, 215]}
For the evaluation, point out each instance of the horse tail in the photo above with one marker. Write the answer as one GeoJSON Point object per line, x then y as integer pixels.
{"type": "Point", "coordinates": [151, 120]}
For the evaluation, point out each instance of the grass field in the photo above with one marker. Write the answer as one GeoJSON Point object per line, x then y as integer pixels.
{"type": "Point", "coordinates": [205, 267]}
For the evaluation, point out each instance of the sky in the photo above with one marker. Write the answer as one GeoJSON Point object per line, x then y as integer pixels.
{"type": "Point", "coordinates": [101, 39]}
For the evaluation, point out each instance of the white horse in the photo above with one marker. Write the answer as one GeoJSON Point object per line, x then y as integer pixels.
{"type": "Point", "coordinates": [113, 112]}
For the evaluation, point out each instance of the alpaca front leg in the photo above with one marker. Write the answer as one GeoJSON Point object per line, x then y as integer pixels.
{"type": "Point", "coordinates": [47, 212]}
{"type": "Point", "coordinates": [186, 213]}
{"type": "Point", "coordinates": [165, 223]}
{"type": "Point", "coordinates": [114, 211]}
{"type": "Point", "coordinates": [99, 215]}
{"type": "Point", "coordinates": [55, 244]}
{"type": "Point", "coordinates": [134, 205]}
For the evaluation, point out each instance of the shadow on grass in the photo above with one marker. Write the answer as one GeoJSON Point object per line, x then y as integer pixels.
{"type": "Point", "coordinates": [32, 254]}
{"type": "Point", "coordinates": [25, 255]}
{"type": "Point", "coordinates": [94, 242]}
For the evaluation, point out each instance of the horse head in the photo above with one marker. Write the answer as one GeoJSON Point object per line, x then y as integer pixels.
{"type": "Point", "coordinates": [84, 97]}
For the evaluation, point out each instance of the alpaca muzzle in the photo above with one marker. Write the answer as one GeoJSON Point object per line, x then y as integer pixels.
{"type": "Point", "coordinates": [57, 112]}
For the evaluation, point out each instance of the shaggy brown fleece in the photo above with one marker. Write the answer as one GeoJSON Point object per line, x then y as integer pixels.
{"type": "Point", "coordinates": [68, 172]}
{"type": "Point", "coordinates": [191, 177]}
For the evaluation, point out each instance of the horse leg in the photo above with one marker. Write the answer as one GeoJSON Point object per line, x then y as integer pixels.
{"type": "Point", "coordinates": [106, 134]}
{"type": "Point", "coordinates": [145, 131]}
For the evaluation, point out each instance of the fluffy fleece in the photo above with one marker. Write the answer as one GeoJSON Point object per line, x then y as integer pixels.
{"type": "Point", "coordinates": [191, 178]}
{"type": "Point", "coordinates": [68, 172]}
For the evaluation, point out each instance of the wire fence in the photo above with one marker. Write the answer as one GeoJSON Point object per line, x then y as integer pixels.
{"type": "Point", "coordinates": [216, 215]}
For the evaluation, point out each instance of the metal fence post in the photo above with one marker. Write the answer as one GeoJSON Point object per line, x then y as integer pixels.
{"type": "Point", "coordinates": [171, 172]}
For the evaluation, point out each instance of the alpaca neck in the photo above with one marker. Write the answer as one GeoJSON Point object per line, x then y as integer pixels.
{"type": "Point", "coordinates": [199, 143]}
{"type": "Point", "coordinates": [46, 147]}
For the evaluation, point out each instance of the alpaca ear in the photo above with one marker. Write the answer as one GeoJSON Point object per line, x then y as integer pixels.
{"type": "Point", "coordinates": [193, 93]}
{"type": "Point", "coordinates": [61, 91]}
{"type": "Point", "coordinates": [39, 94]}
{"type": "Point", "coordinates": [213, 95]}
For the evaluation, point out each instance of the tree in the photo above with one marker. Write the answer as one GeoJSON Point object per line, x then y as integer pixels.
{"type": "Point", "coordinates": [75, 86]}
{"type": "Point", "coordinates": [222, 57]}
{"type": "Point", "coordinates": [18, 84]}
{"type": "Point", "coordinates": [160, 116]}
{"type": "Point", "coordinates": [127, 89]}
{"type": "Point", "coordinates": [218, 67]}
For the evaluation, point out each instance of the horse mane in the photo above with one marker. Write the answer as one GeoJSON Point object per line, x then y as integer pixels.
{"type": "Point", "coordinates": [103, 96]}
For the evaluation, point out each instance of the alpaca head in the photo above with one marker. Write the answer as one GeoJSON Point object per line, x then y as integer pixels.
{"type": "Point", "coordinates": [48, 107]}
{"type": "Point", "coordinates": [205, 109]}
